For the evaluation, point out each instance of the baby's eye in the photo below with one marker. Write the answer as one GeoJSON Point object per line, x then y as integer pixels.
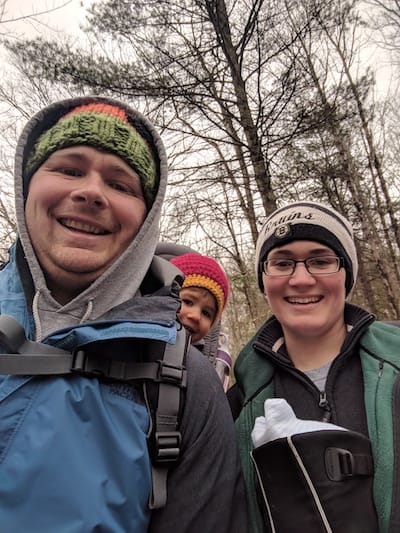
{"type": "Point", "coordinates": [187, 302]}
{"type": "Point", "coordinates": [207, 314]}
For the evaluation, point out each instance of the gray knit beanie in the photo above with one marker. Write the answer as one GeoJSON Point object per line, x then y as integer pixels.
{"type": "Point", "coordinates": [313, 222]}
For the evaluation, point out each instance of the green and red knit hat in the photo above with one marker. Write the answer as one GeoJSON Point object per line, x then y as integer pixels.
{"type": "Point", "coordinates": [204, 272]}
{"type": "Point", "coordinates": [104, 126]}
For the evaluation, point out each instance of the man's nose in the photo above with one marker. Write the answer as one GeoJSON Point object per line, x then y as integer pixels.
{"type": "Point", "coordinates": [91, 188]}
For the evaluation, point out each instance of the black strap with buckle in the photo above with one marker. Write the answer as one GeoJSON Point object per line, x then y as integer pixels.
{"type": "Point", "coordinates": [165, 444]}
{"type": "Point", "coordinates": [163, 373]}
{"type": "Point", "coordinates": [342, 464]}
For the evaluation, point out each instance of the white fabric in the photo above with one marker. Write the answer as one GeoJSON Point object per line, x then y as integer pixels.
{"type": "Point", "coordinates": [280, 421]}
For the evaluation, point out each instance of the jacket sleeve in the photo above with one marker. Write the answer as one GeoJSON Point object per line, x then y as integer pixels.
{"type": "Point", "coordinates": [206, 491]}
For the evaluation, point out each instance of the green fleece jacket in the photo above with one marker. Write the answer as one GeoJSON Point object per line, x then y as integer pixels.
{"type": "Point", "coordinates": [379, 352]}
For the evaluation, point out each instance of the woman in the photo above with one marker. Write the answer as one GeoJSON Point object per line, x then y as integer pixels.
{"type": "Point", "coordinates": [330, 361]}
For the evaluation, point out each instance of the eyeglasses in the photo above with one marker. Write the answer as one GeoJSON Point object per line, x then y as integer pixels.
{"type": "Point", "coordinates": [317, 266]}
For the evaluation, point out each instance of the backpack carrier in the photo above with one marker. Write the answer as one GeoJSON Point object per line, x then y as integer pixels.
{"type": "Point", "coordinates": [163, 375]}
{"type": "Point", "coordinates": [208, 346]}
{"type": "Point", "coordinates": [159, 368]}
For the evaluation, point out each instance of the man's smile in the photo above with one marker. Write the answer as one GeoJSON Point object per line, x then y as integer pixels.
{"type": "Point", "coordinates": [82, 226]}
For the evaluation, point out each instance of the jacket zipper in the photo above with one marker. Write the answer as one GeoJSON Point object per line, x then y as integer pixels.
{"type": "Point", "coordinates": [324, 404]}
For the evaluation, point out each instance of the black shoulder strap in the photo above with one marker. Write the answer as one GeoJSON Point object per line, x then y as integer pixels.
{"type": "Point", "coordinates": [163, 375]}
{"type": "Point", "coordinates": [165, 439]}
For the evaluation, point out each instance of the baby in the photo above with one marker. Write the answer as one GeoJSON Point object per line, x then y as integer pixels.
{"type": "Point", "coordinates": [204, 293]}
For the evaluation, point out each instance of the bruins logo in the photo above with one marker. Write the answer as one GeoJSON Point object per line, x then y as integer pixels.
{"type": "Point", "coordinates": [282, 231]}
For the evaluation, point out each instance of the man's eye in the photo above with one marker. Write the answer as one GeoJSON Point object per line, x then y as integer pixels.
{"type": "Point", "coordinates": [121, 187]}
{"type": "Point", "coordinates": [70, 171]}
{"type": "Point", "coordinates": [125, 188]}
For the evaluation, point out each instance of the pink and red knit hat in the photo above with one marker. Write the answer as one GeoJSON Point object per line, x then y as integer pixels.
{"type": "Point", "coordinates": [203, 271]}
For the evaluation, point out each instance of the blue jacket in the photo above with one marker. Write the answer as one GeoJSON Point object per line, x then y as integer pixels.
{"type": "Point", "coordinates": [54, 476]}
{"type": "Point", "coordinates": [48, 434]}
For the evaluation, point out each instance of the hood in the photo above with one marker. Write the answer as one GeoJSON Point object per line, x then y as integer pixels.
{"type": "Point", "coordinates": [123, 279]}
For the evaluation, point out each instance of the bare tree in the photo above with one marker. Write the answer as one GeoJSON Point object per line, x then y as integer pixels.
{"type": "Point", "coordinates": [258, 103]}
{"type": "Point", "coordinates": [352, 164]}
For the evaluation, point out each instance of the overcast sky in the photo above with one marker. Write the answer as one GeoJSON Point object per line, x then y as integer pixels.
{"type": "Point", "coordinates": [45, 16]}
{"type": "Point", "coordinates": [53, 16]}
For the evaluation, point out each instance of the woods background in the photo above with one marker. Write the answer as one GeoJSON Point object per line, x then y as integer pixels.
{"type": "Point", "coordinates": [259, 102]}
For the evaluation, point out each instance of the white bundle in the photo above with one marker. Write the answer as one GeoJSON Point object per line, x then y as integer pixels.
{"type": "Point", "coordinates": [280, 421]}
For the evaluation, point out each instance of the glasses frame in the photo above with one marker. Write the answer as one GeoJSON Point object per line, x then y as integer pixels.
{"type": "Point", "coordinates": [340, 264]}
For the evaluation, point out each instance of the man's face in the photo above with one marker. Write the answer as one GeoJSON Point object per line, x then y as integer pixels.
{"type": "Point", "coordinates": [84, 207]}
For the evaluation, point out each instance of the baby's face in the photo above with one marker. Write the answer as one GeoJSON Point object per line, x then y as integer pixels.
{"type": "Point", "coordinates": [198, 311]}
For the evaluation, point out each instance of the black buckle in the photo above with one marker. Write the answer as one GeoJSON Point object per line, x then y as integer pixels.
{"type": "Point", "coordinates": [171, 374]}
{"type": "Point", "coordinates": [83, 365]}
{"type": "Point", "coordinates": [339, 463]}
{"type": "Point", "coordinates": [167, 446]}
{"type": "Point", "coordinates": [79, 361]}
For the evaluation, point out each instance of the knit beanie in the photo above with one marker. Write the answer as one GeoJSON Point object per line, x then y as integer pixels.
{"type": "Point", "coordinates": [312, 222]}
{"type": "Point", "coordinates": [204, 272]}
{"type": "Point", "coordinates": [104, 126]}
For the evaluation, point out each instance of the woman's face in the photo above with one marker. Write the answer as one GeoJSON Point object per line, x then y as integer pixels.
{"type": "Point", "coordinates": [306, 305]}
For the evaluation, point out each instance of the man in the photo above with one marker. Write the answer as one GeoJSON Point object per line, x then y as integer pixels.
{"type": "Point", "coordinates": [317, 358]}
{"type": "Point", "coordinates": [90, 179]}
